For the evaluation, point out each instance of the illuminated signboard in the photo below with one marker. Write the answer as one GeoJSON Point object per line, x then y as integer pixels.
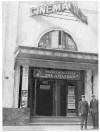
{"type": "Point", "coordinates": [71, 75]}
{"type": "Point", "coordinates": [59, 7]}
{"type": "Point", "coordinates": [48, 9]}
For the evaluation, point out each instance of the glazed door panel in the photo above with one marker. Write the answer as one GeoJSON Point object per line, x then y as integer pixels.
{"type": "Point", "coordinates": [63, 100]}
{"type": "Point", "coordinates": [44, 99]}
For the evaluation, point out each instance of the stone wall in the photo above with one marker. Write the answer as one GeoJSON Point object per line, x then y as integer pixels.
{"type": "Point", "coordinates": [10, 16]}
{"type": "Point", "coordinates": [16, 116]}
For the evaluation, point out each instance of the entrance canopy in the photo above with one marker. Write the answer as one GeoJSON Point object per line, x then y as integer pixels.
{"type": "Point", "coordinates": [56, 59]}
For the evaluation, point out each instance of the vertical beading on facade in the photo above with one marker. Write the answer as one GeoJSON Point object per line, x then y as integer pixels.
{"type": "Point", "coordinates": [95, 84]}
{"type": "Point", "coordinates": [16, 85]}
{"type": "Point", "coordinates": [88, 85]}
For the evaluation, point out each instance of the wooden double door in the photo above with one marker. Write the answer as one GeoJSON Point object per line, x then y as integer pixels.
{"type": "Point", "coordinates": [55, 97]}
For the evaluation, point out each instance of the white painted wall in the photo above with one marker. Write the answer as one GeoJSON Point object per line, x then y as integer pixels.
{"type": "Point", "coordinates": [22, 29]}
{"type": "Point", "coordinates": [31, 29]}
{"type": "Point", "coordinates": [90, 9]}
{"type": "Point", "coordinates": [10, 14]}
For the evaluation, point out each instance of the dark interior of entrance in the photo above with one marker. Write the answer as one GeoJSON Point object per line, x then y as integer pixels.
{"type": "Point", "coordinates": [54, 97]}
{"type": "Point", "coordinates": [44, 97]}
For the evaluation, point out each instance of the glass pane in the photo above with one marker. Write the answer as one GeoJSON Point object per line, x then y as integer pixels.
{"type": "Point", "coordinates": [45, 41]}
{"type": "Point", "coordinates": [70, 44]}
{"type": "Point", "coordinates": [54, 39]}
{"type": "Point", "coordinates": [57, 39]}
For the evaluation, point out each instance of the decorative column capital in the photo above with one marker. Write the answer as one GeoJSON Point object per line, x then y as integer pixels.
{"type": "Point", "coordinates": [25, 66]}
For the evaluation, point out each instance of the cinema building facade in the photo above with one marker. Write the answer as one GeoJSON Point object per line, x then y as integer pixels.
{"type": "Point", "coordinates": [54, 61]}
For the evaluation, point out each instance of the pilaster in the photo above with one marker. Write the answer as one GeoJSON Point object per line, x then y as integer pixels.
{"type": "Point", "coordinates": [24, 91]}
{"type": "Point", "coordinates": [88, 85]}
{"type": "Point", "coordinates": [16, 85]}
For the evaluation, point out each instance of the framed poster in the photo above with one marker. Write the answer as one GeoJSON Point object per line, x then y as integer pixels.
{"type": "Point", "coordinates": [24, 96]}
{"type": "Point", "coordinates": [71, 97]}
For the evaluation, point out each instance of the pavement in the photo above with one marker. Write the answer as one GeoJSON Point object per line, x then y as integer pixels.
{"type": "Point", "coordinates": [44, 128]}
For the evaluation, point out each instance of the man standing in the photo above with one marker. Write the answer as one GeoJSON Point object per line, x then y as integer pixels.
{"type": "Point", "coordinates": [94, 111]}
{"type": "Point", "coordinates": [83, 111]}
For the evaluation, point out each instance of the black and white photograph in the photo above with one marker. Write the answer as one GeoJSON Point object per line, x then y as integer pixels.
{"type": "Point", "coordinates": [50, 65]}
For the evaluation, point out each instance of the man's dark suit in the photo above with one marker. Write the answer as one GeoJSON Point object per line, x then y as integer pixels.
{"type": "Point", "coordinates": [94, 112]}
{"type": "Point", "coordinates": [83, 110]}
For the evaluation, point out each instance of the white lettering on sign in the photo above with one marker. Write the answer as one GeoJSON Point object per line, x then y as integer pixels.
{"type": "Point", "coordinates": [60, 7]}
{"type": "Point", "coordinates": [48, 9]}
{"type": "Point", "coordinates": [56, 74]}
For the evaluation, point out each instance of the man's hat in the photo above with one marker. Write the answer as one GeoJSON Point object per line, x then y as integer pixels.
{"type": "Point", "coordinates": [83, 96]}
{"type": "Point", "coordinates": [93, 96]}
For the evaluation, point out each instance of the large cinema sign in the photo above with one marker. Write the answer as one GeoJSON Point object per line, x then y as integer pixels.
{"type": "Point", "coordinates": [69, 75]}
{"type": "Point", "coordinates": [59, 7]}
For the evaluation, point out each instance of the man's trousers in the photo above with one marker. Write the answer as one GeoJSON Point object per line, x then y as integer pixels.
{"type": "Point", "coordinates": [84, 121]}
{"type": "Point", "coordinates": [95, 120]}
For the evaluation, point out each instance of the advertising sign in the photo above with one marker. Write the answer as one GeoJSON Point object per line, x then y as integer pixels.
{"type": "Point", "coordinates": [59, 7]}
{"type": "Point", "coordinates": [41, 73]}
{"type": "Point", "coordinates": [24, 95]}
{"type": "Point", "coordinates": [71, 97]}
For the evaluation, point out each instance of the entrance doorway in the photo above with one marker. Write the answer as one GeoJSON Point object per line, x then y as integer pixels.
{"type": "Point", "coordinates": [68, 98]}
{"type": "Point", "coordinates": [44, 97]}
{"type": "Point", "coordinates": [54, 92]}
{"type": "Point", "coordinates": [56, 97]}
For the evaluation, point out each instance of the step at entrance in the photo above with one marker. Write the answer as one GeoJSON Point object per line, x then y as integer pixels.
{"type": "Point", "coordinates": [55, 120]}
